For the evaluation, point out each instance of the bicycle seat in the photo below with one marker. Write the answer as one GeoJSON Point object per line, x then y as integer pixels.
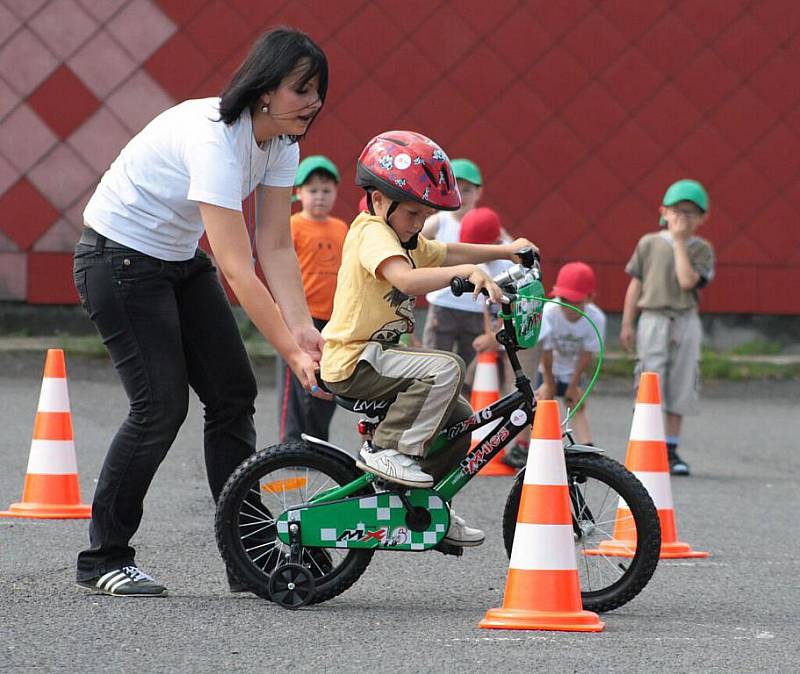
{"type": "Point", "coordinates": [369, 408]}
{"type": "Point", "coordinates": [374, 409]}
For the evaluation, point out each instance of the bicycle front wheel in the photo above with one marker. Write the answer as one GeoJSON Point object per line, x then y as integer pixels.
{"type": "Point", "coordinates": [610, 574]}
{"type": "Point", "coordinates": [265, 485]}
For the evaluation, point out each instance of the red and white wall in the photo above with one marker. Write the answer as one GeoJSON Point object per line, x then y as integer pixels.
{"type": "Point", "coordinates": [579, 112]}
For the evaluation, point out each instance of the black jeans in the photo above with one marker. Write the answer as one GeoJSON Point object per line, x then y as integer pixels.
{"type": "Point", "coordinates": [299, 411]}
{"type": "Point", "coordinates": [167, 326]}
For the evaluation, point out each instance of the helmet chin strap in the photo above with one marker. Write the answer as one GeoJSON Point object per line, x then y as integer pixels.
{"type": "Point", "coordinates": [411, 244]}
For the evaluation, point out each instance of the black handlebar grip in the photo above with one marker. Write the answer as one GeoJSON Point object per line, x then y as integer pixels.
{"type": "Point", "coordinates": [528, 256]}
{"type": "Point", "coordinates": [459, 286]}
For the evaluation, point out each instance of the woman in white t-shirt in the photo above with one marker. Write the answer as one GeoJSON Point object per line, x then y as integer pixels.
{"type": "Point", "coordinates": [155, 297]}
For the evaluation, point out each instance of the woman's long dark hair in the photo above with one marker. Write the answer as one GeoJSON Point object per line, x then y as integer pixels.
{"type": "Point", "coordinates": [273, 56]}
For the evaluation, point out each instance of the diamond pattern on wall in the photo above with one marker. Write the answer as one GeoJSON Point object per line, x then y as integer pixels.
{"type": "Point", "coordinates": [25, 214]}
{"type": "Point", "coordinates": [102, 64]}
{"type": "Point", "coordinates": [580, 113]}
{"type": "Point", "coordinates": [63, 25]}
{"type": "Point", "coordinates": [48, 102]}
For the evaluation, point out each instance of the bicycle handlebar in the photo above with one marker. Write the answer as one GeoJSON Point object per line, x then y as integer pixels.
{"type": "Point", "coordinates": [530, 260]}
{"type": "Point", "coordinates": [459, 286]}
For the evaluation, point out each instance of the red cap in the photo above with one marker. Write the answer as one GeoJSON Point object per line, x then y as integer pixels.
{"type": "Point", "coordinates": [480, 225]}
{"type": "Point", "coordinates": [575, 282]}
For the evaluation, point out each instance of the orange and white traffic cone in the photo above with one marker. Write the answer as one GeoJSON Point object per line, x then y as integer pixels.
{"type": "Point", "coordinates": [647, 460]}
{"type": "Point", "coordinates": [543, 589]}
{"type": "Point", "coordinates": [485, 391]}
{"type": "Point", "coordinates": [51, 488]}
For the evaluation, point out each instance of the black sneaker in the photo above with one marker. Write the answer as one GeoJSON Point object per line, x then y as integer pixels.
{"type": "Point", "coordinates": [677, 466]}
{"type": "Point", "coordinates": [127, 581]}
{"type": "Point", "coordinates": [515, 456]}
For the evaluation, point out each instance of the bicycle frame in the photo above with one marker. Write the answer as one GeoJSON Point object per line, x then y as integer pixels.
{"type": "Point", "coordinates": [510, 414]}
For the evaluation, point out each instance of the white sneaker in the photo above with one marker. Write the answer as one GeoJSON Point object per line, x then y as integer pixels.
{"type": "Point", "coordinates": [393, 466]}
{"type": "Point", "coordinates": [462, 535]}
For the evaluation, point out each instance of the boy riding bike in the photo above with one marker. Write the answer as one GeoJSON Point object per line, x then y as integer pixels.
{"type": "Point", "coordinates": [385, 265]}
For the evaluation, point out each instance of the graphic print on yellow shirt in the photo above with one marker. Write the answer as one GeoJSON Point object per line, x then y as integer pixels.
{"type": "Point", "coordinates": [368, 308]}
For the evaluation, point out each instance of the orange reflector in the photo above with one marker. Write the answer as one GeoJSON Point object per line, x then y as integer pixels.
{"type": "Point", "coordinates": [277, 486]}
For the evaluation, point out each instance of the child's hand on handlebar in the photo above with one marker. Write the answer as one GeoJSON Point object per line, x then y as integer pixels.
{"type": "Point", "coordinates": [481, 280]}
{"type": "Point", "coordinates": [518, 244]}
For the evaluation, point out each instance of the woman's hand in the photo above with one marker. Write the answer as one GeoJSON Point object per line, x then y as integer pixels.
{"type": "Point", "coordinates": [309, 340]}
{"type": "Point", "coordinates": [480, 279]}
{"type": "Point", "coordinates": [518, 244]}
{"type": "Point", "coordinates": [305, 368]}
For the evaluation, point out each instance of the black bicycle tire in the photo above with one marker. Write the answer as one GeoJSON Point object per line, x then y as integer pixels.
{"type": "Point", "coordinates": [645, 515]}
{"type": "Point", "coordinates": [227, 525]}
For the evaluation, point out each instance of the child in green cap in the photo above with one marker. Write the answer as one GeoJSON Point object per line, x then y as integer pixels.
{"type": "Point", "coordinates": [318, 238]}
{"type": "Point", "coordinates": [667, 270]}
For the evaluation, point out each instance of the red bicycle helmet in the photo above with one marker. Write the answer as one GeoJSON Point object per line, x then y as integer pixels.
{"type": "Point", "coordinates": [407, 166]}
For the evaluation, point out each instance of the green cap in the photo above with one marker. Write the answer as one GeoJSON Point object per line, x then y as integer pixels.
{"type": "Point", "coordinates": [686, 190]}
{"type": "Point", "coordinates": [464, 169]}
{"type": "Point", "coordinates": [315, 162]}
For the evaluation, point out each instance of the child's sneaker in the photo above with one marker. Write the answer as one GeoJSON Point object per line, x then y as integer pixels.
{"type": "Point", "coordinates": [393, 466]}
{"type": "Point", "coordinates": [462, 535]}
{"type": "Point", "coordinates": [127, 581]}
{"type": "Point", "coordinates": [677, 466]}
{"type": "Point", "coordinates": [515, 456]}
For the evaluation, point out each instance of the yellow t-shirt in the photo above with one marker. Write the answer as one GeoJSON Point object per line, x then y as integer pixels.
{"type": "Point", "coordinates": [367, 308]}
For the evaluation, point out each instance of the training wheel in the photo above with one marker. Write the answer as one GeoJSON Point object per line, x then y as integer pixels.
{"type": "Point", "coordinates": [291, 586]}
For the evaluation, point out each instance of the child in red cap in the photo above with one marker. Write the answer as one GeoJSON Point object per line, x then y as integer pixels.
{"type": "Point", "coordinates": [569, 343]}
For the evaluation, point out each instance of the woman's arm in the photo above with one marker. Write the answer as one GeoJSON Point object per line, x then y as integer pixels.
{"type": "Point", "coordinates": [227, 235]}
{"type": "Point", "coordinates": [278, 261]}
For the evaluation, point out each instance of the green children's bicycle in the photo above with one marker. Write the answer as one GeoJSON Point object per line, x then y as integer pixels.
{"type": "Point", "coordinates": [297, 523]}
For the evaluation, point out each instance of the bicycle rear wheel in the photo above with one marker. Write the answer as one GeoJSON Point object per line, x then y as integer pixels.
{"type": "Point", "coordinates": [258, 491]}
{"type": "Point", "coordinates": [596, 484]}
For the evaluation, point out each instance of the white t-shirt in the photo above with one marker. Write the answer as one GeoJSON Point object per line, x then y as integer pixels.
{"type": "Point", "coordinates": [148, 198]}
{"type": "Point", "coordinates": [566, 340]}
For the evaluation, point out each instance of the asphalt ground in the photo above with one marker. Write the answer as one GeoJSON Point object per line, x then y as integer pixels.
{"type": "Point", "coordinates": [734, 612]}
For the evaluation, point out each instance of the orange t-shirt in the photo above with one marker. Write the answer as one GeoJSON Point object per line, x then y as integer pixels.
{"type": "Point", "coordinates": [319, 251]}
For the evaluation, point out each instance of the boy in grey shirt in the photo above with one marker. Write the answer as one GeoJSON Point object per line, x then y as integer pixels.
{"type": "Point", "coordinates": [667, 270]}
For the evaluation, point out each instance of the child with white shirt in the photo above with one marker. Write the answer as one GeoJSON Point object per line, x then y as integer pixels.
{"type": "Point", "coordinates": [569, 343]}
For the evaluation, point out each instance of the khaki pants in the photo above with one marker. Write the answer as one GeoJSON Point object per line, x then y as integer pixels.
{"type": "Point", "coordinates": [427, 384]}
{"type": "Point", "coordinates": [668, 342]}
